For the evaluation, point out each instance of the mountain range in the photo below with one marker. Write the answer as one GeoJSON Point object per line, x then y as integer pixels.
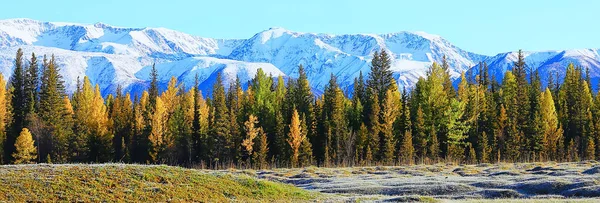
{"type": "Point", "coordinates": [112, 56]}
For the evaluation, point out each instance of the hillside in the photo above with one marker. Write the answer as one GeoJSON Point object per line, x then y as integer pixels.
{"type": "Point", "coordinates": [136, 183]}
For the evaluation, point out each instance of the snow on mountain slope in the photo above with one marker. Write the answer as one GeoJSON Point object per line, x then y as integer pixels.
{"type": "Point", "coordinates": [99, 37]}
{"type": "Point", "coordinates": [346, 55]}
{"type": "Point", "coordinates": [207, 68]}
{"type": "Point", "coordinates": [113, 56]}
{"type": "Point", "coordinates": [103, 69]}
{"type": "Point", "coordinates": [545, 62]}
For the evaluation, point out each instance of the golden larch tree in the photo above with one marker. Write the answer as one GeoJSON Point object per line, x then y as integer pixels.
{"type": "Point", "coordinates": [25, 150]}
{"type": "Point", "coordinates": [295, 137]}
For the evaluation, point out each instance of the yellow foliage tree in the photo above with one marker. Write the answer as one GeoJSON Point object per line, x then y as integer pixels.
{"type": "Point", "coordinates": [251, 133]}
{"type": "Point", "coordinates": [551, 129]}
{"type": "Point", "coordinates": [157, 137]}
{"type": "Point", "coordinates": [3, 115]}
{"type": "Point", "coordinates": [25, 151]}
{"type": "Point", "coordinates": [295, 137]}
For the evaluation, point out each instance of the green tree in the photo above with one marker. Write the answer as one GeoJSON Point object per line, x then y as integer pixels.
{"type": "Point", "coordinates": [17, 84]}
{"type": "Point", "coordinates": [54, 113]}
{"type": "Point", "coordinates": [219, 132]}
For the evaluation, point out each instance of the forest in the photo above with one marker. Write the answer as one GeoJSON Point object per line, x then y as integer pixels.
{"type": "Point", "coordinates": [280, 122]}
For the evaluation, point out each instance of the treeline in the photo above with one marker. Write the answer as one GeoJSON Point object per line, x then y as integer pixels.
{"type": "Point", "coordinates": [278, 123]}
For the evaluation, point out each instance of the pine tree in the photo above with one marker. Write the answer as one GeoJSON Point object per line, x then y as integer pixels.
{"type": "Point", "coordinates": [121, 116]}
{"type": "Point", "coordinates": [407, 151]}
{"type": "Point", "coordinates": [31, 90]}
{"type": "Point", "coordinates": [378, 82]}
{"type": "Point", "coordinates": [53, 113]}
{"type": "Point", "coordinates": [260, 157]}
{"type": "Point", "coordinates": [421, 142]}
{"type": "Point", "coordinates": [25, 151]}
{"type": "Point", "coordinates": [219, 132]}
{"type": "Point", "coordinates": [536, 139]}
{"type": "Point", "coordinates": [153, 90]}
{"type": "Point", "coordinates": [200, 124]}
{"type": "Point", "coordinates": [334, 109]}
{"type": "Point", "coordinates": [485, 149]}
{"type": "Point", "coordinates": [361, 144]}
{"type": "Point", "coordinates": [500, 134]}
{"type": "Point", "coordinates": [572, 152]}
{"type": "Point", "coordinates": [17, 83]}
{"type": "Point", "coordinates": [374, 131]}
{"type": "Point", "coordinates": [589, 151]}
{"type": "Point", "coordinates": [305, 157]}
{"type": "Point", "coordinates": [303, 94]}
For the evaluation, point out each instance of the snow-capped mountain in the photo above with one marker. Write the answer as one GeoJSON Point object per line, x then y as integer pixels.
{"type": "Point", "coordinates": [112, 56]}
{"type": "Point", "coordinates": [545, 62]}
{"type": "Point", "coordinates": [346, 55]}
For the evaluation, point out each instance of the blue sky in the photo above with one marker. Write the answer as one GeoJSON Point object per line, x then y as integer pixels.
{"type": "Point", "coordinates": [486, 27]}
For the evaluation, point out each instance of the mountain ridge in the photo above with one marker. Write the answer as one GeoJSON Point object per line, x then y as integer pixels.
{"type": "Point", "coordinates": [113, 56]}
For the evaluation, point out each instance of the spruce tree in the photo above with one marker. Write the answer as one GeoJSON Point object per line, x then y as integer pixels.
{"type": "Point", "coordinates": [219, 132]}
{"type": "Point", "coordinates": [153, 89]}
{"type": "Point", "coordinates": [54, 113]}
{"type": "Point", "coordinates": [122, 125]}
{"type": "Point", "coordinates": [17, 84]}
{"type": "Point", "coordinates": [407, 150]}
{"type": "Point", "coordinates": [262, 149]}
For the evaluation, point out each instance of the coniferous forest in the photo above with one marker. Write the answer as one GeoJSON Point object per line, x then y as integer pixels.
{"type": "Point", "coordinates": [277, 122]}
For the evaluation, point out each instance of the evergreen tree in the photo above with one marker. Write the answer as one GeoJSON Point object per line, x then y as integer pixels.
{"type": "Point", "coordinates": [421, 141]}
{"type": "Point", "coordinates": [17, 84]}
{"type": "Point", "coordinates": [219, 132]}
{"type": "Point", "coordinates": [303, 94]}
{"type": "Point", "coordinates": [374, 131]}
{"type": "Point", "coordinates": [260, 156]}
{"type": "Point", "coordinates": [485, 149]}
{"type": "Point", "coordinates": [121, 116]}
{"type": "Point", "coordinates": [54, 113]}
{"type": "Point", "coordinates": [31, 89]}
{"type": "Point", "coordinates": [305, 157]}
{"type": "Point", "coordinates": [153, 90]}
{"type": "Point", "coordinates": [407, 151]}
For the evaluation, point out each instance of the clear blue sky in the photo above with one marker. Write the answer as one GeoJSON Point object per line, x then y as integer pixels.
{"type": "Point", "coordinates": [486, 27]}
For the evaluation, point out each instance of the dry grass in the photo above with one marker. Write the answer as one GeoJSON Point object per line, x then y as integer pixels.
{"type": "Point", "coordinates": [138, 183]}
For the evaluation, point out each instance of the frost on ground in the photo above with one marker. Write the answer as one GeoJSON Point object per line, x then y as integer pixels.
{"type": "Point", "coordinates": [550, 181]}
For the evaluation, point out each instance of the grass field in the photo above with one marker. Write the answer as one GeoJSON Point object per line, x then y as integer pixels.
{"type": "Point", "coordinates": [139, 183]}
{"type": "Point", "coordinates": [505, 182]}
